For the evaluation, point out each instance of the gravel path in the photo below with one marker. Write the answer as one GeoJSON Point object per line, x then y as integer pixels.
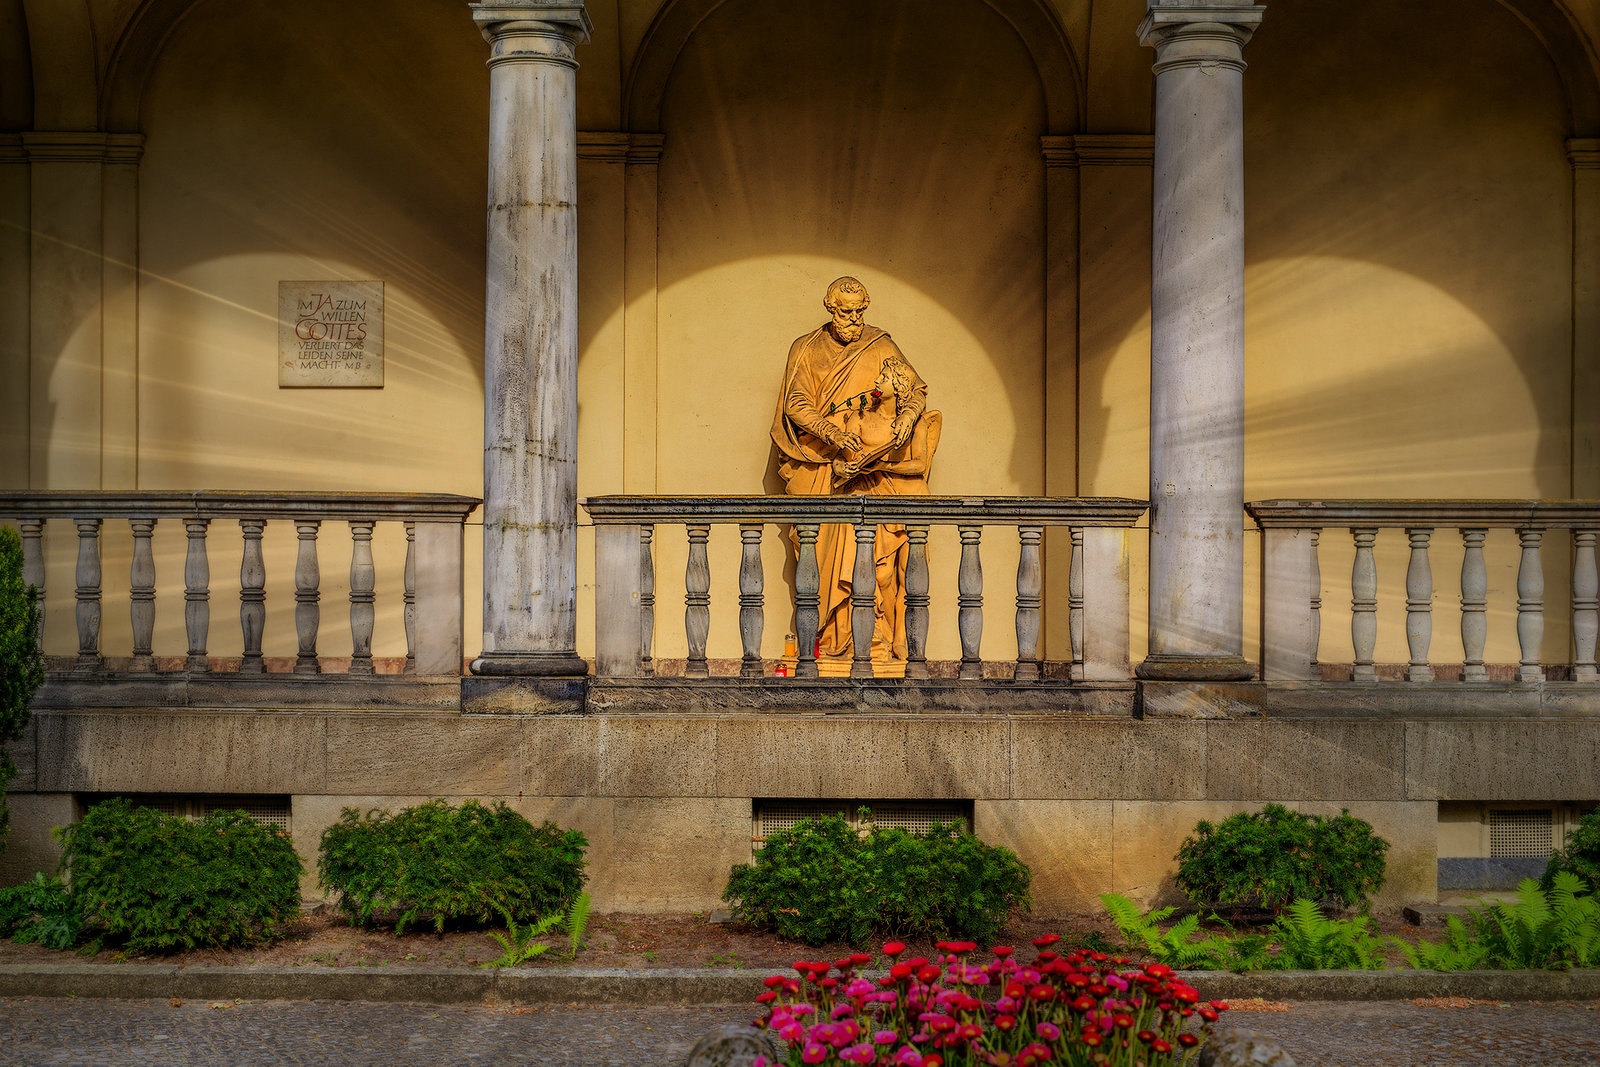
{"type": "Point", "coordinates": [84, 1031]}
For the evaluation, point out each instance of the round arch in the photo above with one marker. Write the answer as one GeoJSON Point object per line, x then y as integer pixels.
{"type": "Point", "coordinates": [677, 21]}
{"type": "Point", "coordinates": [1571, 53]}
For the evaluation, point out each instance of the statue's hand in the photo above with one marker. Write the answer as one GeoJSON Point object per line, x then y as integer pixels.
{"type": "Point", "coordinates": [902, 429]}
{"type": "Point", "coordinates": [848, 441]}
{"type": "Point", "coordinates": [844, 470]}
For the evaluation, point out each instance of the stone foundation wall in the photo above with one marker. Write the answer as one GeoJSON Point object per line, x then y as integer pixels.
{"type": "Point", "coordinates": [665, 799]}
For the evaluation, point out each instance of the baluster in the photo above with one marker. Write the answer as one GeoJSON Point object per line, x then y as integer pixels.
{"type": "Point", "coordinates": [807, 606]}
{"type": "Point", "coordinates": [1530, 606]}
{"type": "Point", "coordinates": [1316, 602]}
{"type": "Point", "coordinates": [33, 562]}
{"type": "Point", "coordinates": [196, 594]}
{"type": "Point", "coordinates": [252, 596]}
{"type": "Point", "coordinates": [1075, 603]}
{"type": "Point", "coordinates": [863, 596]}
{"type": "Point", "coordinates": [363, 583]}
{"type": "Point", "coordinates": [697, 602]}
{"type": "Point", "coordinates": [88, 594]}
{"type": "Point", "coordinates": [1030, 587]}
{"type": "Point", "coordinates": [411, 599]}
{"type": "Point", "coordinates": [1364, 605]}
{"type": "Point", "coordinates": [969, 588]}
{"type": "Point", "coordinates": [1419, 606]}
{"type": "Point", "coordinates": [1474, 601]}
{"type": "Point", "coordinates": [750, 599]}
{"type": "Point", "coordinates": [647, 597]}
{"type": "Point", "coordinates": [917, 602]}
{"type": "Point", "coordinates": [1585, 601]}
{"type": "Point", "coordinates": [307, 593]}
{"type": "Point", "coordinates": [142, 595]}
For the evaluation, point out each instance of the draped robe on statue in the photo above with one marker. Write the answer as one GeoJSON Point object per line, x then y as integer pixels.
{"type": "Point", "coordinates": [821, 374]}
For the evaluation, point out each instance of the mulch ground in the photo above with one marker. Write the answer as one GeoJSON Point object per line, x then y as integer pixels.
{"type": "Point", "coordinates": [324, 939]}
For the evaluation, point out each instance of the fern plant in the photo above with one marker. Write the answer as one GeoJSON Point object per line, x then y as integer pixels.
{"type": "Point", "coordinates": [517, 941]}
{"type": "Point", "coordinates": [1559, 928]}
{"type": "Point", "coordinates": [1457, 952]}
{"type": "Point", "coordinates": [1309, 940]}
{"type": "Point", "coordinates": [1172, 946]}
{"type": "Point", "coordinates": [577, 919]}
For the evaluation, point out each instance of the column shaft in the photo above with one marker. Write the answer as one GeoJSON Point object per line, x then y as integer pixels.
{"type": "Point", "coordinates": [1197, 342]}
{"type": "Point", "coordinates": [530, 535]}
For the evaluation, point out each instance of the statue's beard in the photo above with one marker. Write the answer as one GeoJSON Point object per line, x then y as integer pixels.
{"type": "Point", "coordinates": [847, 334]}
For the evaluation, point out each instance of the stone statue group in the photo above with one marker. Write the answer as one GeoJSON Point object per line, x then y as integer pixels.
{"type": "Point", "coordinates": [852, 419]}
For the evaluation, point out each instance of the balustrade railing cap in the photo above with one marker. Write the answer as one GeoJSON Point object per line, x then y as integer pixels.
{"type": "Point", "coordinates": [1316, 514]}
{"type": "Point", "coordinates": [312, 504]}
{"type": "Point", "coordinates": [963, 510]}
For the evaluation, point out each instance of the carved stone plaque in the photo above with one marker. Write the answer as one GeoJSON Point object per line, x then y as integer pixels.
{"type": "Point", "coordinates": [330, 334]}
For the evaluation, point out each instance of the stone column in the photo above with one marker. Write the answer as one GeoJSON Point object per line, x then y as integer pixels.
{"type": "Point", "coordinates": [1197, 340]}
{"type": "Point", "coordinates": [530, 452]}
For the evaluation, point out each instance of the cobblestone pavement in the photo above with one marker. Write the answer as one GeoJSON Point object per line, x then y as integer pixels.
{"type": "Point", "coordinates": [81, 1031]}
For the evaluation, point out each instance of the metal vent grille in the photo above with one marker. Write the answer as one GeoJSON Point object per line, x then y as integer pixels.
{"type": "Point", "coordinates": [268, 812]}
{"type": "Point", "coordinates": [915, 816]}
{"type": "Point", "coordinates": [1521, 832]}
{"type": "Point", "coordinates": [271, 811]}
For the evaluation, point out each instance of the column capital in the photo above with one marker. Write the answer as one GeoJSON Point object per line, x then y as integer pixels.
{"type": "Point", "coordinates": [85, 146]}
{"type": "Point", "coordinates": [508, 25]}
{"type": "Point", "coordinates": [1583, 153]}
{"type": "Point", "coordinates": [1198, 33]}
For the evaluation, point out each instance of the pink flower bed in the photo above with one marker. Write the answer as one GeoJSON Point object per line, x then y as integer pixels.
{"type": "Point", "coordinates": [1081, 1008]}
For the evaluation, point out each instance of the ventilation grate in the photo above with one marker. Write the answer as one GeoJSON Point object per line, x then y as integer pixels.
{"type": "Point", "coordinates": [915, 816]}
{"type": "Point", "coordinates": [1520, 832]}
{"type": "Point", "coordinates": [270, 811]}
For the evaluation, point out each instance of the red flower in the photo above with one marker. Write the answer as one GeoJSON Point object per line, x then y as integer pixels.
{"type": "Point", "coordinates": [860, 957]}
{"type": "Point", "coordinates": [1091, 1038]}
{"type": "Point", "coordinates": [1123, 1022]}
{"type": "Point", "coordinates": [894, 948]}
{"type": "Point", "coordinates": [1046, 941]}
{"type": "Point", "coordinates": [1005, 1022]}
{"type": "Point", "coordinates": [900, 971]}
{"type": "Point", "coordinates": [928, 973]}
{"type": "Point", "coordinates": [1001, 951]}
{"type": "Point", "coordinates": [767, 998]}
{"type": "Point", "coordinates": [1084, 1003]}
{"type": "Point", "coordinates": [773, 981]}
{"type": "Point", "coordinates": [1157, 970]}
{"type": "Point", "coordinates": [1159, 1045]}
{"type": "Point", "coordinates": [1188, 1040]}
{"type": "Point", "coordinates": [1146, 1036]}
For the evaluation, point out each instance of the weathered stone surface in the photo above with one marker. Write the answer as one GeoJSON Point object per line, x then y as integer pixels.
{"type": "Point", "coordinates": [437, 755]}
{"type": "Point", "coordinates": [1197, 700]}
{"type": "Point", "coordinates": [796, 695]}
{"type": "Point", "coordinates": [675, 854]}
{"type": "Point", "coordinates": [561, 755]}
{"type": "Point", "coordinates": [1145, 836]}
{"type": "Point", "coordinates": [181, 752]}
{"type": "Point", "coordinates": [1525, 759]}
{"type": "Point", "coordinates": [1232, 1046]}
{"type": "Point", "coordinates": [522, 696]}
{"type": "Point", "coordinates": [1234, 754]}
{"type": "Point", "coordinates": [1107, 761]}
{"type": "Point", "coordinates": [87, 980]}
{"type": "Point", "coordinates": [311, 815]}
{"type": "Point", "coordinates": [1483, 872]}
{"type": "Point", "coordinates": [431, 985]}
{"type": "Point", "coordinates": [1068, 843]}
{"type": "Point", "coordinates": [24, 753]}
{"type": "Point", "coordinates": [656, 756]}
{"type": "Point", "coordinates": [1327, 760]}
{"type": "Point", "coordinates": [731, 1045]}
{"type": "Point", "coordinates": [29, 846]}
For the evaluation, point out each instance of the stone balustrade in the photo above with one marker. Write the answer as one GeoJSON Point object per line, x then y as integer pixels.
{"type": "Point", "coordinates": [625, 597]}
{"type": "Point", "coordinates": [432, 572]}
{"type": "Point", "coordinates": [1292, 582]}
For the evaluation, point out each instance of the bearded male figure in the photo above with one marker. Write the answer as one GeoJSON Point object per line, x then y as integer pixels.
{"type": "Point", "coordinates": [850, 421]}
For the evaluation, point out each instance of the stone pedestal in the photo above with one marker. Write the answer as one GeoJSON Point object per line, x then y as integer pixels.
{"type": "Point", "coordinates": [1197, 341]}
{"type": "Point", "coordinates": [530, 453]}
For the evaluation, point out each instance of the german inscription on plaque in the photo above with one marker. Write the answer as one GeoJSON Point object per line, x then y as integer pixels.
{"type": "Point", "coordinates": [330, 334]}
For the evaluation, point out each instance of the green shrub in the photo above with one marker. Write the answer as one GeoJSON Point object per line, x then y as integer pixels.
{"type": "Point", "coordinates": [21, 661]}
{"type": "Point", "coordinates": [1581, 855]}
{"type": "Point", "coordinates": [821, 881]}
{"type": "Point", "coordinates": [444, 864]}
{"type": "Point", "coordinates": [155, 882]}
{"type": "Point", "coordinates": [1271, 857]}
{"type": "Point", "coordinates": [40, 912]}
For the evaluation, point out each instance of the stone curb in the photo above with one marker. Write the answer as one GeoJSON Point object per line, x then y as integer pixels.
{"type": "Point", "coordinates": [461, 985]}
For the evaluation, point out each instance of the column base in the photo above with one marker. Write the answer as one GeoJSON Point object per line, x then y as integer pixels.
{"type": "Point", "coordinates": [523, 695]}
{"type": "Point", "coordinates": [1194, 667]}
{"type": "Point", "coordinates": [530, 665]}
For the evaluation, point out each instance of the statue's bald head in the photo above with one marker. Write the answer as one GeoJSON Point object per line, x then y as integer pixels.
{"type": "Point", "coordinates": [842, 287]}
